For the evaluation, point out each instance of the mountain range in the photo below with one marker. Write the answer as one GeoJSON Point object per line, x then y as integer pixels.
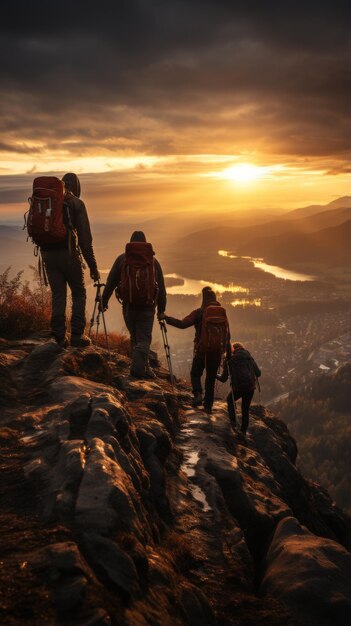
{"type": "Point", "coordinates": [312, 234]}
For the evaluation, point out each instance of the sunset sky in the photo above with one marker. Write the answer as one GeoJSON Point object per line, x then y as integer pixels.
{"type": "Point", "coordinates": [178, 105]}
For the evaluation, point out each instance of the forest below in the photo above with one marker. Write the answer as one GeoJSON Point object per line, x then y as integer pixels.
{"type": "Point", "coordinates": [319, 417]}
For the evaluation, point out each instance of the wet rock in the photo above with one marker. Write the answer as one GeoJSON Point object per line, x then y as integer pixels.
{"type": "Point", "coordinates": [111, 563]}
{"type": "Point", "coordinates": [312, 575]}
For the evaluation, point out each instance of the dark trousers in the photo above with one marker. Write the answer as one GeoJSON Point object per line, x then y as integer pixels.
{"type": "Point", "coordinates": [246, 396]}
{"type": "Point", "coordinates": [139, 323]}
{"type": "Point", "coordinates": [211, 363]}
{"type": "Point", "coordinates": [64, 268]}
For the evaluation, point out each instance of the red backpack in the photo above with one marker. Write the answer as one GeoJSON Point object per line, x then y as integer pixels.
{"type": "Point", "coordinates": [214, 330]}
{"type": "Point", "coordinates": [138, 282]}
{"type": "Point", "coordinates": [45, 222]}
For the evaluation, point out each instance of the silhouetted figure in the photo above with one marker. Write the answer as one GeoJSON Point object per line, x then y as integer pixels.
{"type": "Point", "coordinates": [137, 277]}
{"type": "Point", "coordinates": [243, 371]}
{"type": "Point", "coordinates": [210, 342]}
{"type": "Point", "coordinates": [64, 266]}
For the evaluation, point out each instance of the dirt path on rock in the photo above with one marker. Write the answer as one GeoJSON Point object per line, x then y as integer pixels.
{"type": "Point", "coordinates": [223, 567]}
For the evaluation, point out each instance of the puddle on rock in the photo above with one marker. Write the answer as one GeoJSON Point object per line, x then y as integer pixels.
{"type": "Point", "coordinates": [188, 467]}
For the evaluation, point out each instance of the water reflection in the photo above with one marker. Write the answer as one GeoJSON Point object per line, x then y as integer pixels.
{"type": "Point", "coordinates": [193, 287]}
{"type": "Point", "coordinates": [279, 272]}
{"type": "Point", "coordinates": [246, 302]}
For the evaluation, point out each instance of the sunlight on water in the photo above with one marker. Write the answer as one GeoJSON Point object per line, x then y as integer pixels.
{"type": "Point", "coordinates": [193, 287]}
{"type": "Point", "coordinates": [245, 302]}
{"type": "Point", "coordinates": [278, 272]}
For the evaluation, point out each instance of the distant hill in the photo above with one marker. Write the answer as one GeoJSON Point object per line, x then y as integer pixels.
{"type": "Point", "coordinates": [328, 246]}
{"type": "Point", "coordinates": [281, 240]}
{"type": "Point", "coordinates": [339, 203]}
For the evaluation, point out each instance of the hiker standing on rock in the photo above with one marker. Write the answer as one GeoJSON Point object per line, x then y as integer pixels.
{"type": "Point", "coordinates": [210, 343]}
{"type": "Point", "coordinates": [137, 277]}
{"type": "Point", "coordinates": [243, 372]}
{"type": "Point", "coordinates": [58, 224]}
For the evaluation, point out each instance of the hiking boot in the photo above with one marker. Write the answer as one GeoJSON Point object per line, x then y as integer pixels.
{"type": "Point", "coordinates": [62, 343]}
{"type": "Point", "coordinates": [241, 437]}
{"type": "Point", "coordinates": [80, 342]}
{"type": "Point", "coordinates": [137, 375]}
{"type": "Point", "coordinates": [149, 373]}
{"type": "Point", "coordinates": [208, 408]}
{"type": "Point", "coordinates": [197, 399]}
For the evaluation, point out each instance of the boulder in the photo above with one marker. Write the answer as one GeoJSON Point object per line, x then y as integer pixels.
{"type": "Point", "coordinates": [310, 574]}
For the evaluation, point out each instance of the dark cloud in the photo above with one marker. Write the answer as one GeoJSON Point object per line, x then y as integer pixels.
{"type": "Point", "coordinates": [163, 76]}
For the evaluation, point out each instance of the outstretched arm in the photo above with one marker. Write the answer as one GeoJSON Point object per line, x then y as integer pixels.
{"type": "Point", "coordinates": [225, 374]}
{"type": "Point", "coordinates": [186, 322]}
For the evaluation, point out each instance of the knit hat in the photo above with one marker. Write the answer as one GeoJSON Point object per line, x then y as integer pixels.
{"type": "Point", "coordinates": [208, 296]}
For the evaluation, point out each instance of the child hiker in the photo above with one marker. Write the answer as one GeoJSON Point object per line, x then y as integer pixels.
{"type": "Point", "coordinates": [243, 372]}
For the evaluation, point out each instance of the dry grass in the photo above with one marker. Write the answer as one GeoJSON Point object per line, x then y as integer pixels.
{"type": "Point", "coordinates": [118, 342]}
{"type": "Point", "coordinates": [24, 309]}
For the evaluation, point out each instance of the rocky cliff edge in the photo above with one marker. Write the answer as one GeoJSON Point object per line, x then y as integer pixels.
{"type": "Point", "coordinates": [122, 505]}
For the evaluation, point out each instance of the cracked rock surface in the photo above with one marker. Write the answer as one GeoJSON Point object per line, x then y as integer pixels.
{"type": "Point", "coordinates": [122, 505]}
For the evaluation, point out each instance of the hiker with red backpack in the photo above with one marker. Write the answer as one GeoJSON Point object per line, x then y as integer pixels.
{"type": "Point", "coordinates": [210, 344]}
{"type": "Point", "coordinates": [58, 225]}
{"type": "Point", "coordinates": [243, 372]}
{"type": "Point", "coordinates": [137, 278]}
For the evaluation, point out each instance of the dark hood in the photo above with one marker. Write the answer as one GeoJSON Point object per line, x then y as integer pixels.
{"type": "Point", "coordinates": [138, 236]}
{"type": "Point", "coordinates": [72, 183]}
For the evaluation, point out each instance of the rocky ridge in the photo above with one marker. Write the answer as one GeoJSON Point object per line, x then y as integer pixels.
{"type": "Point", "coordinates": [123, 505]}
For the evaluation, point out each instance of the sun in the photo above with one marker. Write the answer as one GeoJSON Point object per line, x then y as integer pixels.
{"type": "Point", "coordinates": [243, 173]}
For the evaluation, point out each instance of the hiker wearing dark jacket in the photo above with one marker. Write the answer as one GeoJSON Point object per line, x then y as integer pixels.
{"type": "Point", "coordinates": [201, 360]}
{"type": "Point", "coordinates": [243, 372]}
{"type": "Point", "coordinates": [64, 266]}
{"type": "Point", "coordinates": [139, 318]}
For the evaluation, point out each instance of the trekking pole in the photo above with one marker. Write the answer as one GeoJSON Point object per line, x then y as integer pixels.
{"type": "Point", "coordinates": [98, 308]}
{"type": "Point", "coordinates": [167, 350]}
{"type": "Point", "coordinates": [92, 319]}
